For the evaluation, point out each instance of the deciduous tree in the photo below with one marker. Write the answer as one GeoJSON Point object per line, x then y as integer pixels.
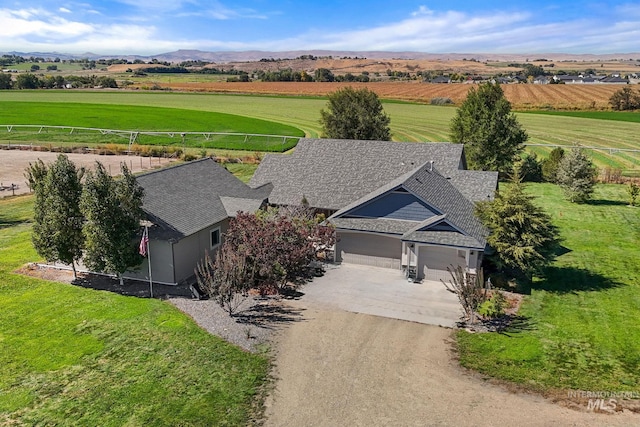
{"type": "Point", "coordinates": [265, 250]}
{"type": "Point", "coordinates": [27, 81]}
{"type": "Point", "coordinates": [355, 114]}
{"type": "Point", "coordinates": [113, 209]}
{"type": "Point", "coordinates": [58, 221]}
{"type": "Point", "coordinates": [625, 99]}
{"type": "Point", "coordinates": [577, 176]}
{"type": "Point", "coordinates": [5, 81]}
{"type": "Point", "coordinates": [490, 132]}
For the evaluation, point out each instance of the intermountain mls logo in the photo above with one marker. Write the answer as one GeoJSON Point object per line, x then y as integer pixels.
{"type": "Point", "coordinates": [603, 401]}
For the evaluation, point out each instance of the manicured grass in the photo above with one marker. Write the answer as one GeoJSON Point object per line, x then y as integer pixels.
{"type": "Point", "coordinates": [72, 355]}
{"type": "Point", "coordinates": [621, 116]}
{"type": "Point", "coordinates": [581, 323]}
{"type": "Point", "coordinates": [244, 172]}
{"type": "Point", "coordinates": [409, 122]}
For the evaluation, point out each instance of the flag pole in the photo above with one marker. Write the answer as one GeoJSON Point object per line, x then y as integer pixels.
{"type": "Point", "coordinates": [146, 230]}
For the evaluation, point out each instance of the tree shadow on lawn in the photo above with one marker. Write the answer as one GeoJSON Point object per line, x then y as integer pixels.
{"type": "Point", "coordinates": [508, 325]}
{"type": "Point", "coordinates": [5, 223]}
{"type": "Point", "coordinates": [602, 202]}
{"type": "Point", "coordinates": [565, 280]}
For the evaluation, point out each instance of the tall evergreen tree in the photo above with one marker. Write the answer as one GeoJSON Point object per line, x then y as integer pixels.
{"type": "Point", "coordinates": [355, 114]}
{"type": "Point", "coordinates": [57, 230]}
{"type": "Point", "coordinates": [490, 132]}
{"type": "Point", "coordinates": [577, 176]}
{"type": "Point", "coordinates": [113, 209]}
{"type": "Point", "coordinates": [521, 233]}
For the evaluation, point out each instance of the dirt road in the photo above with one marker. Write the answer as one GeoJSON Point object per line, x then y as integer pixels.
{"type": "Point", "coordinates": [343, 369]}
{"type": "Point", "coordinates": [14, 162]}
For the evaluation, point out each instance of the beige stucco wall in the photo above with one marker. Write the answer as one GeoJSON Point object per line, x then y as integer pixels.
{"type": "Point", "coordinates": [161, 264]}
{"type": "Point", "coordinates": [191, 250]}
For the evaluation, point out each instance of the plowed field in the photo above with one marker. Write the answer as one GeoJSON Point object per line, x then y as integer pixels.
{"type": "Point", "coordinates": [522, 96]}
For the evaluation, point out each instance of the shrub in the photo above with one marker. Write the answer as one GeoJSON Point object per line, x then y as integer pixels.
{"type": "Point", "coordinates": [441, 101]}
{"type": "Point", "coordinates": [531, 168]}
{"type": "Point", "coordinates": [494, 306]}
{"type": "Point", "coordinates": [611, 175]}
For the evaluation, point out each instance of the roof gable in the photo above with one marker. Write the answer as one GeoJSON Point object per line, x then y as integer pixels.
{"type": "Point", "coordinates": [451, 214]}
{"type": "Point", "coordinates": [332, 173]}
{"type": "Point", "coordinates": [186, 198]}
{"type": "Point", "coordinates": [395, 204]}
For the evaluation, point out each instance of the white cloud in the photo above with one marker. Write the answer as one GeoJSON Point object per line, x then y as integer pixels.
{"type": "Point", "coordinates": [422, 10]}
{"type": "Point", "coordinates": [39, 22]}
{"type": "Point", "coordinates": [64, 10]}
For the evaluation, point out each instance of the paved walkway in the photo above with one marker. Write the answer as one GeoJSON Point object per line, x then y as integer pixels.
{"type": "Point", "coordinates": [383, 292]}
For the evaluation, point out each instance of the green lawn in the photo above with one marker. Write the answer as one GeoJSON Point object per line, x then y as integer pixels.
{"type": "Point", "coordinates": [75, 356]}
{"type": "Point", "coordinates": [621, 116]}
{"type": "Point", "coordinates": [581, 329]}
{"type": "Point", "coordinates": [409, 122]}
{"type": "Point", "coordinates": [142, 118]}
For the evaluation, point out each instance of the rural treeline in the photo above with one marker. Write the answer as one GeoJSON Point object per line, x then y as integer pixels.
{"type": "Point", "coordinates": [85, 215]}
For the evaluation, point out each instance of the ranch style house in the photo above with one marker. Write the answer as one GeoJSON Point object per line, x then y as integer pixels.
{"type": "Point", "coordinates": [190, 206]}
{"type": "Point", "coordinates": [397, 205]}
{"type": "Point", "coordinates": [400, 205]}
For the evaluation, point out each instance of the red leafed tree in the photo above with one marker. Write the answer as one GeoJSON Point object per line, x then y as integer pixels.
{"type": "Point", "coordinates": [274, 246]}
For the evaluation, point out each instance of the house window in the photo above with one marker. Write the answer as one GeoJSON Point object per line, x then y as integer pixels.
{"type": "Point", "coordinates": [462, 253]}
{"type": "Point", "coordinates": [215, 238]}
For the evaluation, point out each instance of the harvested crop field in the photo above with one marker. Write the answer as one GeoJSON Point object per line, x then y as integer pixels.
{"type": "Point", "coordinates": [522, 96]}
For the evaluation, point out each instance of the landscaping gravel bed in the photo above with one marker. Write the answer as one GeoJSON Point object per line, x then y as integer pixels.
{"type": "Point", "coordinates": [252, 326]}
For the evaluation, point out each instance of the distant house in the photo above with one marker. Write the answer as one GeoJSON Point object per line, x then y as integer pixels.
{"type": "Point", "coordinates": [190, 206]}
{"type": "Point", "coordinates": [405, 206]}
{"type": "Point", "coordinates": [541, 80]}
{"type": "Point", "coordinates": [615, 79]}
{"type": "Point", "coordinates": [440, 79]}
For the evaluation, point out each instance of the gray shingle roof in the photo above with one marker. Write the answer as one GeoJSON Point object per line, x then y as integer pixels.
{"type": "Point", "coordinates": [446, 238]}
{"type": "Point", "coordinates": [332, 173]}
{"type": "Point", "coordinates": [378, 225]}
{"type": "Point", "coordinates": [191, 196]}
{"type": "Point", "coordinates": [439, 193]}
{"type": "Point", "coordinates": [476, 186]}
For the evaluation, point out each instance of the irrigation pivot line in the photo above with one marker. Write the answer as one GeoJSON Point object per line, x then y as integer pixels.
{"type": "Point", "coordinates": [132, 135]}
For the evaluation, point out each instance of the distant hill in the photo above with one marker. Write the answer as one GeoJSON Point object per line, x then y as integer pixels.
{"type": "Point", "coordinates": [249, 56]}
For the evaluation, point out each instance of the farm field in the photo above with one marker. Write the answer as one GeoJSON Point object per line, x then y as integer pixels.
{"type": "Point", "coordinates": [125, 360]}
{"type": "Point", "coordinates": [131, 117]}
{"type": "Point", "coordinates": [521, 96]}
{"type": "Point", "coordinates": [579, 329]}
{"type": "Point", "coordinates": [409, 121]}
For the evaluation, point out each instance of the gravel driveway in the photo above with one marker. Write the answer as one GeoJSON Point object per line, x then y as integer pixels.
{"type": "Point", "coordinates": [338, 368]}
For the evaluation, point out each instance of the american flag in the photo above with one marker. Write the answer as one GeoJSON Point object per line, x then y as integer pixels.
{"type": "Point", "coordinates": [144, 242]}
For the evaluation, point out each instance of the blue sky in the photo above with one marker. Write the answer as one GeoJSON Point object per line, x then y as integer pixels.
{"type": "Point", "coordinates": [150, 27]}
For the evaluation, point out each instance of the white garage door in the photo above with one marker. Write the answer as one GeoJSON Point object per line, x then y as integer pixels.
{"type": "Point", "coordinates": [369, 249]}
{"type": "Point", "coordinates": [433, 262]}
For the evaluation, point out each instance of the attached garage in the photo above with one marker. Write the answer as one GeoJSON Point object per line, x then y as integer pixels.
{"type": "Point", "coordinates": [434, 260]}
{"type": "Point", "coordinates": [376, 250]}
